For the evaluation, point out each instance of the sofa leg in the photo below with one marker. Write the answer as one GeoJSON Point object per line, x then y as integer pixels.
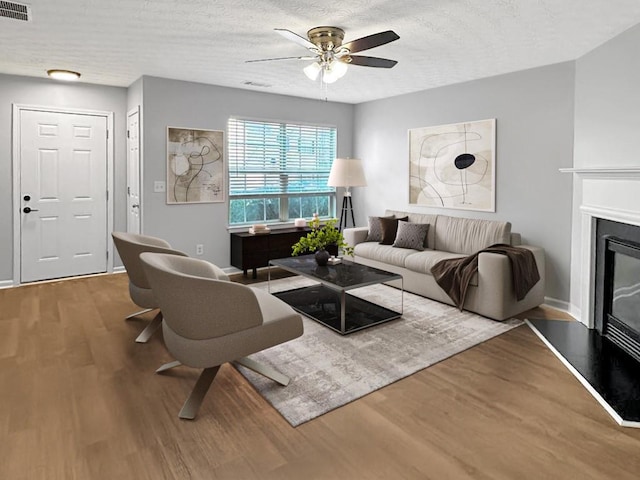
{"type": "Point", "coordinates": [265, 370]}
{"type": "Point", "coordinates": [192, 405]}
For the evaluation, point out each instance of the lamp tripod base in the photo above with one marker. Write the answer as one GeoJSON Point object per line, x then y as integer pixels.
{"type": "Point", "coordinates": [347, 206]}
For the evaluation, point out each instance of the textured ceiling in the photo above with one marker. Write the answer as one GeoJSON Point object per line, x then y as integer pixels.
{"type": "Point", "coordinates": [114, 42]}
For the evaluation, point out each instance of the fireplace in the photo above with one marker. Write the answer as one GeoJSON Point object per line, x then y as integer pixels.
{"type": "Point", "coordinates": [617, 284]}
{"type": "Point", "coordinates": [602, 349]}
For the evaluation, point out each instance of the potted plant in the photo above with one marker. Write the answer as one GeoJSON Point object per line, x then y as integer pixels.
{"type": "Point", "coordinates": [319, 238]}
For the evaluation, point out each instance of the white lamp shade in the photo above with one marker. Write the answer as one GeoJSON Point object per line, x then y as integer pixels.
{"type": "Point", "coordinates": [347, 172]}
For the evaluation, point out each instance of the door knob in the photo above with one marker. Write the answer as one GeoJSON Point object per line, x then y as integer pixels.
{"type": "Point", "coordinates": [29, 210]}
{"type": "Point", "coordinates": [135, 206]}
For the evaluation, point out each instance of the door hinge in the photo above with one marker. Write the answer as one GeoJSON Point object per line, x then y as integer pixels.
{"type": "Point", "coordinates": [128, 134]}
{"type": "Point", "coordinates": [107, 194]}
{"type": "Point", "coordinates": [128, 190]}
{"type": "Point", "coordinates": [107, 254]}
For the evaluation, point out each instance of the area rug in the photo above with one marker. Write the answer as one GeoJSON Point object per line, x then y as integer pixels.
{"type": "Point", "coordinates": [329, 370]}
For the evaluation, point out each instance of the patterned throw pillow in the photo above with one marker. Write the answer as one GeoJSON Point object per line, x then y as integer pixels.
{"type": "Point", "coordinates": [411, 235]}
{"type": "Point", "coordinates": [375, 229]}
{"type": "Point", "coordinates": [389, 229]}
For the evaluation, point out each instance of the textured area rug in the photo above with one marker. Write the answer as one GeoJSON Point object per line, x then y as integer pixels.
{"type": "Point", "coordinates": [329, 370]}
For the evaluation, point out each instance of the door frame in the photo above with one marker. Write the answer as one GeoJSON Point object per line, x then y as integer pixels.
{"type": "Point", "coordinates": [137, 110]}
{"type": "Point", "coordinates": [17, 108]}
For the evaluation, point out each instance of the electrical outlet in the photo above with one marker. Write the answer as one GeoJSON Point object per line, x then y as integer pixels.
{"type": "Point", "coordinates": [159, 186]}
{"type": "Point", "coordinates": [199, 249]}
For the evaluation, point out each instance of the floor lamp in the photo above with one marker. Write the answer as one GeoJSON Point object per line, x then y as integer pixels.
{"type": "Point", "coordinates": [347, 173]}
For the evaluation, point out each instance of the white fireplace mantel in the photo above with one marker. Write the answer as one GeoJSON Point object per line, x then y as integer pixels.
{"type": "Point", "coordinates": [603, 171]}
{"type": "Point", "coordinates": [612, 193]}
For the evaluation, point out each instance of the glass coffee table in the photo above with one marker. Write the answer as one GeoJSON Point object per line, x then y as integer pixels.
{"type": "Point", "coordinates": [328, 302]}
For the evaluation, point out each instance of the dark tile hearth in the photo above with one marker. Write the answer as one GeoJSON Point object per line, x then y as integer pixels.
{"type": "Point", "coordinates": [613, 375]}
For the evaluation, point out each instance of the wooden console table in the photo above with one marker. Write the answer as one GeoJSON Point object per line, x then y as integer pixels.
{"type": "Point", "coordinates": [250, 251]}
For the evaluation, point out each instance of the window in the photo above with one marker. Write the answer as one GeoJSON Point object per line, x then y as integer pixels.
{"type": "Point", "coordinates": [278, 171]}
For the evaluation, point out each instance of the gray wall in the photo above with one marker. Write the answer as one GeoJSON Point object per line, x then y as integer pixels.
{"type": "Point", "coordinates": [193, 105]}
{"type": "Point", "coordinates": [607, 104]}
{"type": "Point", "coordinates": [534, 111]}
{"type": "Point", "coordinates": [607, 122]}
{"type": "Point", "coordinates": [45, 92]}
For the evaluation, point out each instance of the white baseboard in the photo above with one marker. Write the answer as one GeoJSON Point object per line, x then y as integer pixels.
{"type": "Point", "coordinates": [10, 284]}
{"type": "Point", "coordinates": [564, 307]}
{"type": "Point", "coordinates": [231, 270]}
{"type": "Point", "coordinates": [557, 304]}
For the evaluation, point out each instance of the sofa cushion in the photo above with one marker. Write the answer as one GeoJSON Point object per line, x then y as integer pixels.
{"type": "Point", "coordinates": [422, 262]}
{"type": "Point", "coordinates": [383, 253]}
{"type": "Point", "coordinates": [468, 235]}
{"type": "Point", "coordinates": [389, 229]}
{"type": "Point", "coordinates": [419, 218]}
{"type": "Point", "coordinates": [375, 229]}
{"type": "Point", "coordinates": [411, 235]}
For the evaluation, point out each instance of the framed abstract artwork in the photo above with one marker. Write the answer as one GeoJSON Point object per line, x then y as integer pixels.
{"type": "Point", "coordinates": [454, 166]}
{"type": "Point", "coordinates": [195, 166]}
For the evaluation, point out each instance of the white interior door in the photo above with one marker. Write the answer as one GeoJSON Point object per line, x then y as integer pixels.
{"type": "Point", "coordinates": [133, 172]}
{"type": "Point", "coordinates": [63, 194]}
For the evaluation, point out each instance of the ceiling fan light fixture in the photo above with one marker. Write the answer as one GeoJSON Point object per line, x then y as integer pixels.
{"type": "Point", "coordinates": [339, 68]}
{"type": "Point", "coordinates": [312, 71]}
{"type": "Point", "coordinates": [333, 71]}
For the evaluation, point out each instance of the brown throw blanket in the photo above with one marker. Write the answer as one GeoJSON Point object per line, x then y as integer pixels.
{"type": "Point", "coordinates": [453, 275]}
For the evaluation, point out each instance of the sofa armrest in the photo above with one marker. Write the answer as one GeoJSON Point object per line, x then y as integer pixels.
{"type": "Point", "coordinates": [495, 285]}
{"type": "Point", "coordinates": [355, 235]}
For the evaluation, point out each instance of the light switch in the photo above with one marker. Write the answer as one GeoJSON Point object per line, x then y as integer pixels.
{"type": "Point", "coordinates": [159, 186]}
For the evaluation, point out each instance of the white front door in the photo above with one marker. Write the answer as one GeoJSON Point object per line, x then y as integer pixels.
{"type": "Point", "coordinates": [133, 172]}
{"type": "Point", "coordinates": [63, 194]}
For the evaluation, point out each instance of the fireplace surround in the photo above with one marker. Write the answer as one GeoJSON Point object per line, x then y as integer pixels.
{"type": "Point", "coordinates": [596, 348]}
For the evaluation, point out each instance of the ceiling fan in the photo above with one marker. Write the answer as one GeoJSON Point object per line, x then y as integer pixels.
{"type": "Point", "coordinates": [330, 56]}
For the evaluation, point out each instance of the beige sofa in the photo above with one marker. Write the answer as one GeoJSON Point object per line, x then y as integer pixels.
{"type": "Point", "coordinates": [491, 291]}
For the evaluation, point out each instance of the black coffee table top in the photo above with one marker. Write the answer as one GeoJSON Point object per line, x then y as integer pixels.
{"type": "Point", "coordinates": [345, 275]}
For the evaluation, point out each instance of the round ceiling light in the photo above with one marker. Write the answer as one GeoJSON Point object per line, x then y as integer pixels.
{"type": "Point", "coordinates": [66, 75]}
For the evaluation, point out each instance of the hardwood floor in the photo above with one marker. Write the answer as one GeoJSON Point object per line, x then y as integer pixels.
{"type": "Point", "coordinates": [79, 400]}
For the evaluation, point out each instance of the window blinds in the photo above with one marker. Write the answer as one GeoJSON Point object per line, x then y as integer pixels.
{"type": "Point", "coordinates": [272, 158]}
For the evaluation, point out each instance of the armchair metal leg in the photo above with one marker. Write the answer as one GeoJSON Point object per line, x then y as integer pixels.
{"type": "Point", "coordinates": [146, 334]}
{"type": "Point", "coordinates": [133, 315]}
{"type": "Point", "coordinates": [168, 366]}
{"type": "Point", "coordinates": [265, 370]}
{"type": "Point", "coordinates": [192, 405]}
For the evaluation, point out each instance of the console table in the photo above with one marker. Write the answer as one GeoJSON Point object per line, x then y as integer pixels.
{"type": "Point", "coordinates": [249, 251]}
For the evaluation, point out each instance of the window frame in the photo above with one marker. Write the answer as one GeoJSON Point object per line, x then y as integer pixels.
{"type": "Point", "coordinates": [283, 217]}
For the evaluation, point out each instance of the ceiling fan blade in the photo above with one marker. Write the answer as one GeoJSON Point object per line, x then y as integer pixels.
{"type": "Point", "coordinates": [371, 41]}
{"type": "Point", "coordinates": [294, 37]}
{"type": "Point", "coordinates": [371, 61]}
{"type": "Point", "coordinates": [279, 58]}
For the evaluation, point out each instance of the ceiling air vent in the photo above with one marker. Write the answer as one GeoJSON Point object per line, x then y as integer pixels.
{"type": "Point", "coordinates": [17, 11]}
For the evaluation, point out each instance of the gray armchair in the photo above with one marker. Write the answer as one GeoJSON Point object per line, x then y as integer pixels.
{"type": "Point", "coordinates": [130, 246]}
{"type": "Point", "coordinates": [209, 321]}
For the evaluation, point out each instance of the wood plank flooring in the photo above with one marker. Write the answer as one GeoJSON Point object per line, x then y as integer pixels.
{"type": "Point", "coordinates": [79, 400]}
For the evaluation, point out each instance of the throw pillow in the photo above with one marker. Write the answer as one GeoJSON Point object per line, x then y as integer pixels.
{"type": "Point", "coordinates": [375, 229]}
{"type": "Point", "coordinates": [411, 235]}
{"type": "Point", "coordinates": [389, 229]}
